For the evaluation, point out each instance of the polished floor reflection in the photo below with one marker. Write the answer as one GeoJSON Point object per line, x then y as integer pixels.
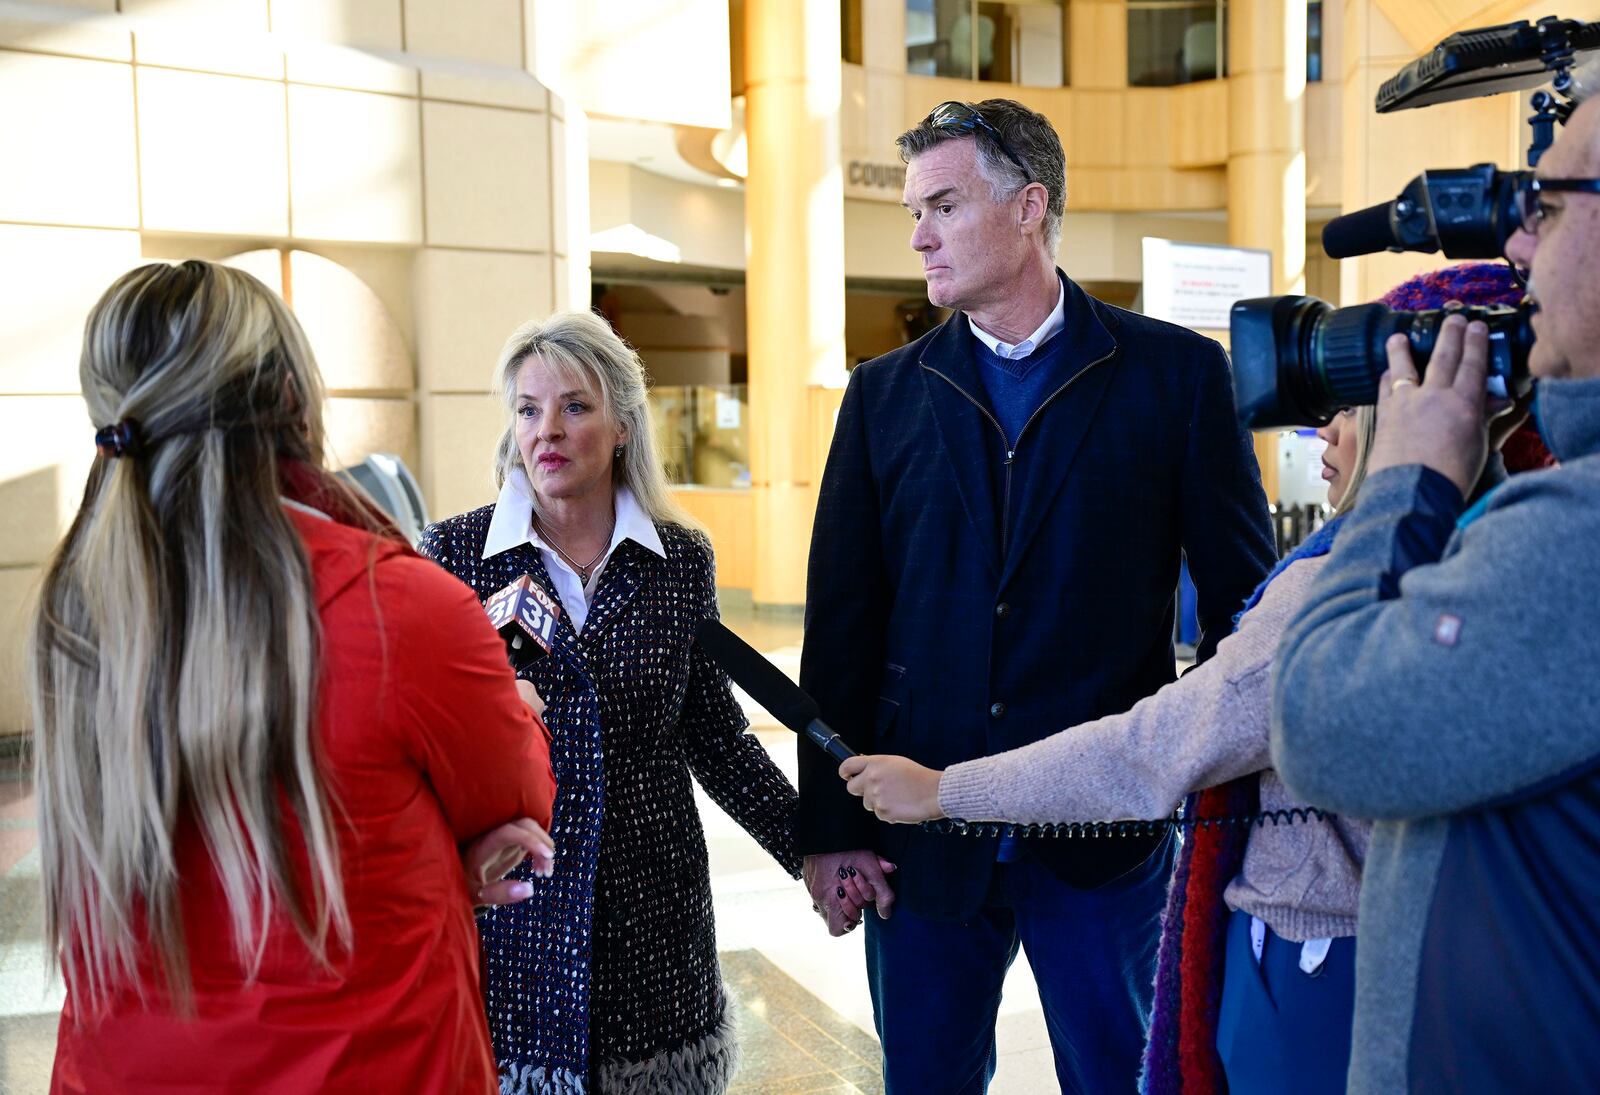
{"type": "Point", "coordinates": [793, 1042]}
{"type": "Point", "coordinates": [28, 1004]}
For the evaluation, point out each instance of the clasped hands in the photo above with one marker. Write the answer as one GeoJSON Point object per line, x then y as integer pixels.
{"type": "Point", "coordinates": [843, 884]}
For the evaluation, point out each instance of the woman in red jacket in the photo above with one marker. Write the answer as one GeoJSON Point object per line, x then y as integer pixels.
{"type": "Point", "coordinates": [272, 743]}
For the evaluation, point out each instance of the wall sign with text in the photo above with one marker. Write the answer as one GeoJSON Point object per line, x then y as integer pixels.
{"type": "Point", "coordinates": [871, 179]}
{"type": "Point", "coordinates": [1195, 284]}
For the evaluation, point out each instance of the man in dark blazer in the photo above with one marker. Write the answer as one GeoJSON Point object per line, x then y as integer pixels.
{"type": "Point", "coordinates": [995, 557]}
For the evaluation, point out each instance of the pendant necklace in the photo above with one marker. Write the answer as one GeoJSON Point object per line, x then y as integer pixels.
{"type": "Point", "coordinates": [582, 569]}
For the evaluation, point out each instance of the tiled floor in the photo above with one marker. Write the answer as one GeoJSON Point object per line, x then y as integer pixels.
{"type": "Point", "coordinates": [805, 1020]}
{"type": "Point", "coordinates": [28, 1005]}
{"type": "Point", "coordinates": [793, 1042]}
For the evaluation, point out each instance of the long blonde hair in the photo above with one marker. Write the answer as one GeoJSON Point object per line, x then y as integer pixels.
{"type": "Point", "coordinates": [582, 347]}
{"type": "Point", "coordinates": [1366, 427]}
{"type": "Point", "coordinates": [175, 654]}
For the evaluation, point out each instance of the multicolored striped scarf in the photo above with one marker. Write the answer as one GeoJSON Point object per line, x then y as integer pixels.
{"type": "Point", "coordinates": [1180, 1057]}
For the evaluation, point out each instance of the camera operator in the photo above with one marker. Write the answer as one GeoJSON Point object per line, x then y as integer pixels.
{"type": "Point", "coordinates": [1470, 724]}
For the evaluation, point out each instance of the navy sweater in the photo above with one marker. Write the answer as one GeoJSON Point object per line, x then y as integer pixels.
{"type": "Point", "coordinates": [1016, 387]}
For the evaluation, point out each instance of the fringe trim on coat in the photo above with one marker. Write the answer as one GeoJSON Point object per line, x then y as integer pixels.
{"type": "Point", "coordinates": [523, 1078]}
{"type": "Point", "coordinates": [702, 1067]}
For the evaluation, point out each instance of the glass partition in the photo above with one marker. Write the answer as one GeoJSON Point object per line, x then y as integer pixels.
{"type": "Point", "coordinates": [704, 433]}
{"type": "Point", "coordinates": [1016, 43]}
{"type": "Point", "coordinates": [1176, 41]}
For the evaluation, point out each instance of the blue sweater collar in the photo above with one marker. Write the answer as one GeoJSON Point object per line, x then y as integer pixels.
{"type": "Point", "coordinates": [1089, 333]}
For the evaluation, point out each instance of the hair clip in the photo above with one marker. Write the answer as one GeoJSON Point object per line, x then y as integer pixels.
{"type": "Point", "coordinates": [118, 439]}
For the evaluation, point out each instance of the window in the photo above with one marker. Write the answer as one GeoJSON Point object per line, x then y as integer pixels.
{"type": "Point", "coordinates": [850, 31]}
{"type": "Point", "coordinates": [1018, 43]}
{"type": "Point", "coordinates": [1176, 41]}
{"type": "Point", "coordinates": [1314, 41]}
{"type": "Point", "coordinates": [703, 431]}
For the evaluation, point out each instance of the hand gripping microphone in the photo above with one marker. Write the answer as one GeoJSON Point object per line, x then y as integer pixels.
{"type": "Point", "coordinates": [768, 686]}
{"type": "Point", "coordinates": [526, 618]}
{"type": "Point", "coordinates": [789, 705]}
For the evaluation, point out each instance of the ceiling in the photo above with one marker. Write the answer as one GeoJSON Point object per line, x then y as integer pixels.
{"type": "Point", "coordinates": [650, 146]}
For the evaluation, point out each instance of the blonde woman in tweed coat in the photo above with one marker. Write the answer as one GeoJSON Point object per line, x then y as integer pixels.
{"type": "Point", "coordinates": [606, 980]}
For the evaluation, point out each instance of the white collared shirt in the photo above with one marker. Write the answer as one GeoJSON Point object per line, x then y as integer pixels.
{"type": "Point", "coordinates": [1053, 322]}
{"type": "Point", "coordinates": [511, 526]}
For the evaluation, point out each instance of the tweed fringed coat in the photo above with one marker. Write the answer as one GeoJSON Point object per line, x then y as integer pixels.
{"type": "Point", "coordinates": [606, 979]}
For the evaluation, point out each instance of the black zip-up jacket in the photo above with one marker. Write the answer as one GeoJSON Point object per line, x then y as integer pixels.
{"type": "Point", "coordinates": [967, 595]}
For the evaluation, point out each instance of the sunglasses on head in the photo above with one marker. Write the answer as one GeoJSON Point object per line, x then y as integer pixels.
{"type": "Point", "coordinates": [957, 117]}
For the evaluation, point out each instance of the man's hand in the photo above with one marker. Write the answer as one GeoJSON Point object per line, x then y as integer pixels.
{"type": "Point", "coordinates": [1440, 422]}
{"type": "Point", "coordinates": [842, 884]}
{"type": "Point", "coordinates": [487, 859]}
{"type": "Point", "coordinates": [896, 789]}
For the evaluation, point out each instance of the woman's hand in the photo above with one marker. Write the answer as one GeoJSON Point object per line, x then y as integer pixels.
{"type": "Point", "coordinates": [530, 696]}
{"type": "Point", "coordinates": [895, 788]}
{"type": "Point", "coordinates": [488, 858]}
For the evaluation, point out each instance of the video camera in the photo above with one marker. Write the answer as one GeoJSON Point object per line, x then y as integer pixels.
{"type": "Point", "coordinates": [1297, 360]}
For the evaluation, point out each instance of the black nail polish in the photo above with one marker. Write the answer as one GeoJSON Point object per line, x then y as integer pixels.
{"type": "Point", "coordinates": [852, 872]}
{"type": "Point", "coordinates": [841, 874]}
{"type": "Point", "coordinates": [839, 891]}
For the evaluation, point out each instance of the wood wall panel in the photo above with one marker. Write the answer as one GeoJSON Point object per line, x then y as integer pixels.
{"type": "Point", "coordinates": [1095, 125]}
{"type": "Point", "coordinates": [1198, 137]}
{"type": "Point", "coordinates": [1147, 132]}
{"type": "Point", "coordinates": [1257, 118]}
{"type": "Point", "coordinates": [1097, 43]}
{"type": "Point", "coordinates": [1425, 22]}
{"type": "Point", "coordinates": [1126, 148]}
{"type": "Point", "coordinates": [729, 519]}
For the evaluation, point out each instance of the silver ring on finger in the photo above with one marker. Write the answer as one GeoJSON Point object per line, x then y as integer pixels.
{"type": "Point", "coordinates": [1396, 385]}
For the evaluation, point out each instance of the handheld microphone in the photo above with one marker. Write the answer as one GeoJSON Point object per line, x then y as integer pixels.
{"type": "Point", "coordinates": [525, 617]}
{"type": "Point", "coordinates": [767, 685]}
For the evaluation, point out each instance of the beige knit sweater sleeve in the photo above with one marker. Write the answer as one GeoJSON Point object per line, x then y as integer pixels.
{"type": "Point", "coordinates": [1205, 728]}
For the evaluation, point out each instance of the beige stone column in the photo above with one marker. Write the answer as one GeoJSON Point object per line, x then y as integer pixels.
{"type": "Point", "coordinates": [794, 216]}
{"type": "Point", "coordinates": [1266, 61]}
{"type": "Point", "coordinates": [1266, 135]}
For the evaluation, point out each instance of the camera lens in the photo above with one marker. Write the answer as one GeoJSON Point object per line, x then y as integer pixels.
{"type": "Point", "coordinates": [1345, 347]}
{"type": "Point", "coordinates": [1296, 360]}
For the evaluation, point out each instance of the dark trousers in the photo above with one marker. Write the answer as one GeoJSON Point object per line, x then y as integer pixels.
{"type": "Point", "coordinates": [936, 985]}
{"type": "Point", "coordinates": [1282, 1031]}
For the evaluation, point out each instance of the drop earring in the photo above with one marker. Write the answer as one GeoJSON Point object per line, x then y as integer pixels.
{"type": "Point", "coordinates": [616, 454]}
